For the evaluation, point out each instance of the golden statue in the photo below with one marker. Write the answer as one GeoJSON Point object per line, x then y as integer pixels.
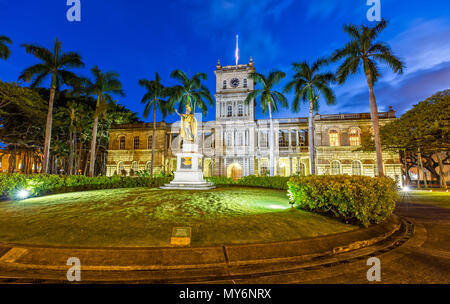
{"type": "Point", "coordinates": [188, 125]}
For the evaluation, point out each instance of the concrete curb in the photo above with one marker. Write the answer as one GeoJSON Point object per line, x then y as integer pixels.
{"type": "Point", "coordinates": [115, 259]}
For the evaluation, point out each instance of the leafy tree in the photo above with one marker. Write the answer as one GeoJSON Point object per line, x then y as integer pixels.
{"type": "Point", "coordinates": [5, 52]}
{"type": "Point", "coordinates": [422, 133]}
{"type": "Point", "coordinates": [22, 114]}
{"type": "Point", "coordinates": [190, 91]}
{"type": "Point", "coordinates": [153, 99]}
{"type": "Point", "coordinates": [54, 64]}
{"type": "Point", "coordinates": [102, 86]}
{"type": "Point", "coordinates": [269, 100]}
{"type": "Point", "coordinates": [363, 50]}
{"type": "Point", "coordinates": [308, 84]}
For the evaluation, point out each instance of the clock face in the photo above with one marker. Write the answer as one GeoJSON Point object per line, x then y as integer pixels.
{"type": "Point", "coordinates": [234, 82]}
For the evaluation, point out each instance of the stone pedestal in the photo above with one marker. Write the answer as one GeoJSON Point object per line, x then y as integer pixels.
{"type": "Point", "coordinates": [189, 173]}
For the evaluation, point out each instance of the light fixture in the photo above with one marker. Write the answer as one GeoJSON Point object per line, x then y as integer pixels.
{"type": "Point", "coordinates": [405, 189]}
{"type": "Point", "coordinates": [23, 194]}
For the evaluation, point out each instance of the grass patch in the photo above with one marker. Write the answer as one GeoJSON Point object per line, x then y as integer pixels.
{"type": "Point", "coordinates": [145, 217]}
{"type": "Point", "coordinates": [435, 198]}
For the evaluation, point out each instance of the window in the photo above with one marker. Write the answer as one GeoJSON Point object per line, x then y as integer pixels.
{"type": "Point", "coordinates": [334, 138]}
{"type": "Point", "coordinates": [355, 139]}
{"type": "Point", "coordinates": [241, 139]}
{"type": "Point", "coordinates": [230, 111]}
{"type": "Point", "coordinates": [264, 139]}
{"type": "Point", "coordinates": [240, 110]}
{"type": "Point", "coordinates": [335, 167]}
{"type": "Point", "coordinates": [224, 84]}
{"type": "Point", "coordinates": [150, 142]}
{"type": "Point", "coordinates": [136, 143]}
{"type": "Point", "coordinates": [245, 82]}
{"type": "Point", "coordinates": [122, 143]}
{"type": "Point", "coordinates": [134, 166]}
{"type": "Point", "coordinates": [148, 165]}
{"type": "Point", "coordinates": [283, 139]}
{"type": "Point", "coordinates": [301, 169]}
{"type": "Point", "coordinates": [228, 139]}
{"type": "Point", "coordinates": [301, 138]}
{"type": "Point", "coordinates": [294, 138]}
{"type": "Point", "coordinates": [356, 167]}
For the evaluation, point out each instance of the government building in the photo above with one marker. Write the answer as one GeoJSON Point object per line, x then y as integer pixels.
{"type": "Point", "coordinates": [236, 144]}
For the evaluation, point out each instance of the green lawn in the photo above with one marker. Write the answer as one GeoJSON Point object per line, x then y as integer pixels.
{"type": "Point", "coordinates": [145, 217]}
{"type": "Point", "coordinates": [436, 198]}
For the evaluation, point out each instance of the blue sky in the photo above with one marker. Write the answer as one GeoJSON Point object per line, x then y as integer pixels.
{"type": "Point", "coordinates": [138, 38]}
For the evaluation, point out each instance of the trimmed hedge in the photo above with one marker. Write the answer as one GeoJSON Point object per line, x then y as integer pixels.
{"type": "Point", "coordinates": [274, 182]}
{"type": "Point", "coordinates": [356, 199]}
{"type": "Point", "coordinates": [37, 185]}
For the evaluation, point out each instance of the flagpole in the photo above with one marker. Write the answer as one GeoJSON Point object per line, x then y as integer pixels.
{"type": "Point", "coordinates": [237, 49]}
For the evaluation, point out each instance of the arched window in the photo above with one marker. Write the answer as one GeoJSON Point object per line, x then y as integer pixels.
{"type": "Point", "coordinates": [149, 142]}
{"type": "Point", "coordinates": [334, 138]}
{"type": "Point", "coordinates": [240, 110]}
{"type": "Point", "coordinates": [148, 165]}
{"type": "Point", "coordinates": [229, 111]}
{"type": "Point", "coordinates": [134, 166]}
{"type": "Point", "coordinates": [301, 169]}
{"type": "Point", "coordinates": [228, 139]}
{"type": "Point", "coordinates": [122, 143]}
{"type": "Point", "coordinates": [356, 167]}
{"type": "Point", "coordinates": [136, 143]}
{"type": "Point", "coordinates": [335, 167]}
{"type": "Point", "coordinates": [241, 139]}
{"type": "Point", "coordinates": [224, 84]}
{"type": "Point", "coordinates": [355, 139]}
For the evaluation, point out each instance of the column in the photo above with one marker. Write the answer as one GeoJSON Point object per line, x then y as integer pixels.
{"type": "Point", "coordinates": [290, 163]}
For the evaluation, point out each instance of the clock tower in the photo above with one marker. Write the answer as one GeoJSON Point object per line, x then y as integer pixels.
{"type": "Point", "coordinates": [233, 84]}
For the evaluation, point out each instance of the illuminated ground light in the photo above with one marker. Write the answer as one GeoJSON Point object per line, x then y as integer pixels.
{"type": "Point", "coordinates": [405, 189]}
{"type": "Point", "coordinates": [276, 206]}
{"type": "Point", "coordinates": [23, 194]}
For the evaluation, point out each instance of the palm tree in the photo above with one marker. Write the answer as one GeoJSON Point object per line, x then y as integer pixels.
{"type": "Point", "coordinates": [52, 64]}
{"type": "Point", "coordinates": [191, 91]}
{"type": "Point", "coordinates": [153, 100]}
{"type": "Point", "coordinates": [4, 49]}
{"type": "Point", "coordinates": [269, 99]}
{"type": "Point", "coordinates": [308, 84]}
{"type": "Point", "coordinates": [102, 86]}
{"type": "Point", "coordinates": [363, 50]}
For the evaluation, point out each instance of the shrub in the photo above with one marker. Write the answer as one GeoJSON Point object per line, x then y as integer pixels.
{"type": "Point", "coordinates": [356, 199]}
{"type": "Point", "coordinates": [37, 185]}
{"type": "Point", "coordinates": [272, 182]}
{"type": "Point", "coordinates": [221, 180]}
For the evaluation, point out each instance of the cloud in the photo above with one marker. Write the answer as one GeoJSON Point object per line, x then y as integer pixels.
{"type": "Point", "coordinates": [425, 44]}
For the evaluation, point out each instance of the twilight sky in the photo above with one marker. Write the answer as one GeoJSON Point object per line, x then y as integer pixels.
{"type": "Point", "coordinates": [140, 37]}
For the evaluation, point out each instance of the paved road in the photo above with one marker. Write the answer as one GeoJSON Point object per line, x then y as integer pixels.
{"type": "Point", "coordinates": [425, 258]}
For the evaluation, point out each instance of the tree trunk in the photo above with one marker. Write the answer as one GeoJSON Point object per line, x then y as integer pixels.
{"type": "Point", "coordinates": [94, 140]}
{"type": "Point", "coordinates": [271, 141]}
{"type": "Point", "coordinates": [423, 171]}
{"type": "Point", "coordinates": [71, 147]}
{"type": "Point", "coordinates": [441, 171]}
{"type": "Point", "coordinates": [312, 156]}
{"type": "Point", "coordinates": [375, 124]}
{"type": "Point", "coordinates": [48, 126]}
{"type": "Point", "coordinates": [153, 138]}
